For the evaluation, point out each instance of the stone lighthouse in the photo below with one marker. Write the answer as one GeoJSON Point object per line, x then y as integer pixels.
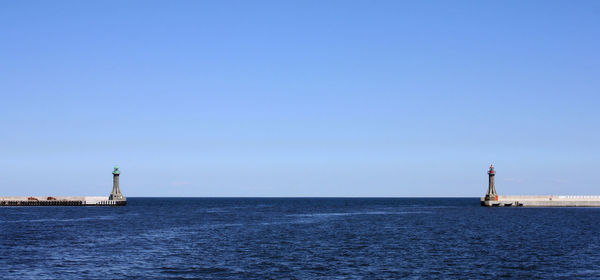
{"type": "Point", "coordinates": [491, 193]}
{"type": "Point", "coordinates": [116, 191]}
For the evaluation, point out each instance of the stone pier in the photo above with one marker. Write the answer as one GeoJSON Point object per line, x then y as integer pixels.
{"type": "Point", "coordinates": [492, 198]}
{"type": "Point", "coordinates": [116, 198]}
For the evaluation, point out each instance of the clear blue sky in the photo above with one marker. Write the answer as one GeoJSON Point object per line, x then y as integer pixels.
{"type": "Point", "coordinates": [299, 98]}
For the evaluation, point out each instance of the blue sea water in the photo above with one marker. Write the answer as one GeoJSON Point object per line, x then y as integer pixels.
{"type": "Point", "coordinates": [298, 238]}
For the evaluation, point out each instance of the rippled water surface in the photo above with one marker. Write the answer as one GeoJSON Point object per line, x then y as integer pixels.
{"type": "Point", "coordinates": [249, 238]}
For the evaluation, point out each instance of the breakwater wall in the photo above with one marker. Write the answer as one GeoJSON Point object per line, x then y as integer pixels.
{"type": "Point", "coordinates": [60, 201]}
{"type": "Point", "coordinates": [542, 201]}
